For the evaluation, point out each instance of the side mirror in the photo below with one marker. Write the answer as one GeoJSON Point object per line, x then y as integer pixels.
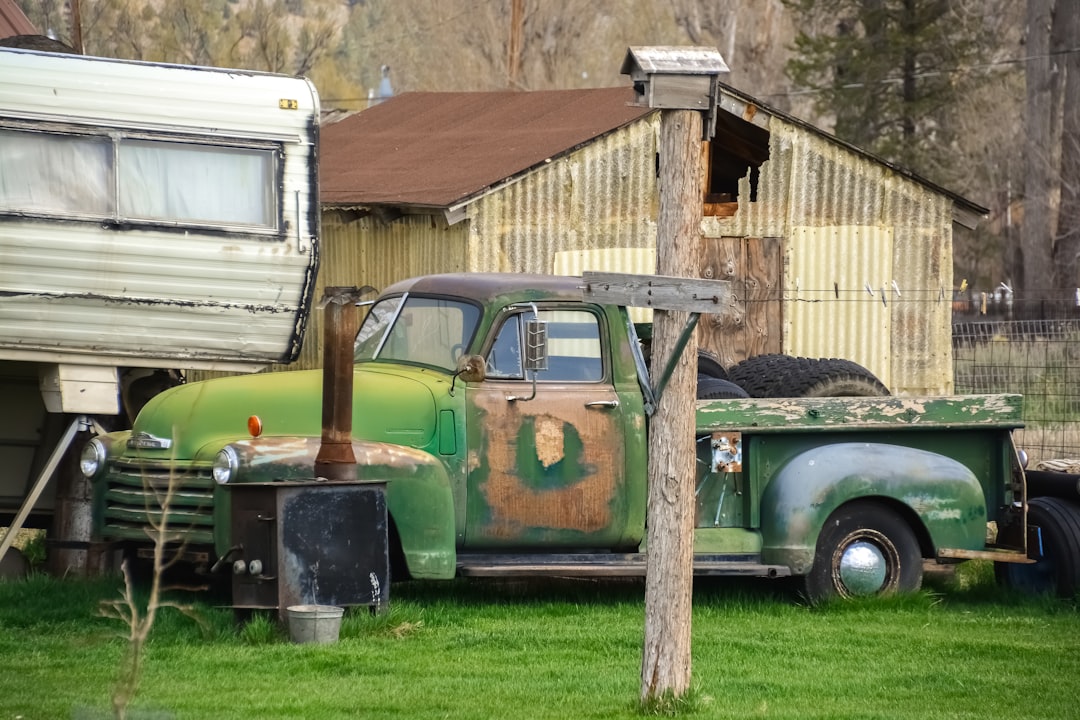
{"type": "Point", "coordinates": [536, 345]}
{"type": "Point", "coordinates": [471, 368]}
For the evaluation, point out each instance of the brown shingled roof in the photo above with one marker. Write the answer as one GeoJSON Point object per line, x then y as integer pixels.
{"type": "Point", "coordinates": [432, 149]}
{"type": "Point", "coordinates": [13, 21]}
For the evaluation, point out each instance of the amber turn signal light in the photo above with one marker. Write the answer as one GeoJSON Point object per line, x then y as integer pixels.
{"type": "Point", "coordinates": [255, 426]}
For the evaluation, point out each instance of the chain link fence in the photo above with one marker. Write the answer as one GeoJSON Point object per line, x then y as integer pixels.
{"type": "Point", "coordinates": [1039, 359]}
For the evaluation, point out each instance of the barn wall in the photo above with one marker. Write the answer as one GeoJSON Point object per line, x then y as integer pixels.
{"type": "Point", "coordinates": [601, 196]}
{"type": "Point", "coordinates": [852, 228]}
{"type": "Point", "coordinates": [368, 251]}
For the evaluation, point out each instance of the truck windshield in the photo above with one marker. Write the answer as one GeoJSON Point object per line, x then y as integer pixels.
{"type": "Point", "coordinates": [427, 331]}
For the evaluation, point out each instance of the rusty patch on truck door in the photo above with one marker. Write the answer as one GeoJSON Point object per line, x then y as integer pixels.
{"type": "Point", "coordinates": [548, 470]}
{"type": "Point", "coordinates": [549, 441]}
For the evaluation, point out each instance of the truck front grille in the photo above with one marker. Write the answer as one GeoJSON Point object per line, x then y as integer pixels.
{"type": "Point", "coordinates": [135, 493]}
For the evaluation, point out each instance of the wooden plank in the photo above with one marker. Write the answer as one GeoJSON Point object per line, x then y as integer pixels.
{"type": "Point", "coordinates": [720, 209]}
{"type": "Point", "coordinates": [995, 554]}
{"type": "Point", "coordinates": [763, 415]}
{"type": "Point", "coordinates": [764, 309]}
{"type": "Point", "coordinates": [723, 335]}
{"type": "Point", "coordinates": [659, 292]}
{"type": "Point", "coordinates": [753, 327]}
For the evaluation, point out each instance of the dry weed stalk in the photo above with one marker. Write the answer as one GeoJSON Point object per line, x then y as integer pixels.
{"type": "Point", "coordinates": [127, 609]}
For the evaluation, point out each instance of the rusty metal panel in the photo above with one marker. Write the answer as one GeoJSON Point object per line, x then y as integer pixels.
{"type": "Point", "coordinates": [548, 472]}
{"type": "Point", "coordinates": [600, 197]}
{"type": "Point", "coordinates": [368, 251]}
{"type": "Point", "coordinates": [309, 543]}
{"type": "Point", "coordinates": [837, 293]}
{"type": "Point", "coordinates": [847, 222]}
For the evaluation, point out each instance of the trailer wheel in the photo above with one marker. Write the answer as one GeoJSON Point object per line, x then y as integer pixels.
{"type": "Point", "coordinates": [864, 549]}
{"type": "Point", "coordinates": [1057, 567]}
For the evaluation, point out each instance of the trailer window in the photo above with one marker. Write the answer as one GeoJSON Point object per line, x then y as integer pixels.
{"type": "Point", "coordinates": [55, 174]}
{"type": "Point", "coordinates": [184, 182]}
{"type": "Point", "coordinates": [138, 180]}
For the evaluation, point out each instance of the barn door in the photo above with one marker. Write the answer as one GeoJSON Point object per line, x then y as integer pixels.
{"type": "Point", "coordinates": [753, 266]}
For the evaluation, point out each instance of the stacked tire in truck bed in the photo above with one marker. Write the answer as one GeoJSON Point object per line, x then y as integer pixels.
{"type": "Point", "coordinates": [778, 376]}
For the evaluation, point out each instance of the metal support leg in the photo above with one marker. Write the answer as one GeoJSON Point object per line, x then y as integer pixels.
{"type": "Point", "coordinates": [676, 355]}
{"type": "Point", "coordinates": [81, 422]}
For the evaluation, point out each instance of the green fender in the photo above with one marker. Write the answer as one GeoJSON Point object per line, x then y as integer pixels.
{"type": "Point", "coordinates": [943, 494]}
{"type": "Point", "coordinates": [419, 499]}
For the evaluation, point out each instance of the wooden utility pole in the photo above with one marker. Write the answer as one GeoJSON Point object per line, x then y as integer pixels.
{"type": "Point", "coordinates": [683, 82]}
{"type": "Point", "coordinates": [670, 543]}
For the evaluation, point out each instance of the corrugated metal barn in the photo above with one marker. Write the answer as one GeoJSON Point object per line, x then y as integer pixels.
{"type": "Point", "coordinates": [833, 252]}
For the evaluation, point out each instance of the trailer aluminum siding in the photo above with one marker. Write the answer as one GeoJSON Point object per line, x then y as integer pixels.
{"type": "Point", "coordinates": [107, 287]}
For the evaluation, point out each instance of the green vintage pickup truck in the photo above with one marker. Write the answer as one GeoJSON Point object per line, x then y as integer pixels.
{"type": "Point", "coordinates": [506, 415]}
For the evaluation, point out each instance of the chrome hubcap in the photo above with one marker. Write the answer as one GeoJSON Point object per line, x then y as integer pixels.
{"type": "Point", "coordinates": [863, 568]}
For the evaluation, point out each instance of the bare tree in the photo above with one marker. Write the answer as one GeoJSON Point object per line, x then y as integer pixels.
{"type": "Point", "coordinates": [754, 39]}
{"type": "Point", "coordinates": [189, 31]}
{"type": "Point", "coordinates": [1038, 152]}
{"type": "Point", "coordinates": [1067, 237]}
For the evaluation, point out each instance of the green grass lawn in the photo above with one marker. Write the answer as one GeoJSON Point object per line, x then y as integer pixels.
{"type": "Point", "coordinates": [562, 649]}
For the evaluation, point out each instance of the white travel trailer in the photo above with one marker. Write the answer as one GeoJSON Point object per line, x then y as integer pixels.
{"type": "Point", "coordinates": [153, 219]}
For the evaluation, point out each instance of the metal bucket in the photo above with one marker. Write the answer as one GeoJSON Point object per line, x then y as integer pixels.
{"type": "Point", "coordinates": [314, 623]}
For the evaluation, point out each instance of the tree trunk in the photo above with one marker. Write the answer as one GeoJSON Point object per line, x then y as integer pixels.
{"type": "Point", "coordinates": [1036, 233]}
{"type": "Point", "coordinates": [665, 667]}
{"type": "Point", "coordinates": [1067, 246]}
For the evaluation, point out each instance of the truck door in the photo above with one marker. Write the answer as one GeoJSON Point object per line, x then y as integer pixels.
{"type": "Point", "coordinates": [547, 470]}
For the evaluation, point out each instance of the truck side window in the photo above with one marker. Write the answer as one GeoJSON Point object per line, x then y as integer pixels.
{"type": "Point", "coordinates": [574, 352]}
{"type": "Point", "coordinates": [504, 360]}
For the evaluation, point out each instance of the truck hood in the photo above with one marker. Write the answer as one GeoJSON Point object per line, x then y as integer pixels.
{"type": "Point", "coordinates": [390, 407]}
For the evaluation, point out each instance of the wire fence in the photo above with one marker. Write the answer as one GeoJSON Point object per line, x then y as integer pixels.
{"type": "Point", "coordinates": [1039, 359]}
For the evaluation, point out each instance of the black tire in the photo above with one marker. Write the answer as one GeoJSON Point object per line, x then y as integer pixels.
{"type": "Point", "coordinates": [1057, 566]}
{"type": "Point", "coordinates": [760, 375]}
{"type": "Point", "coordinates": [709, 366]}
{"type": "Point", "coordinates": [864, 549]}
{"type": "Point", "coordinates": [830, 377]}
{"type": "Point", "coordinates": [710, 388]}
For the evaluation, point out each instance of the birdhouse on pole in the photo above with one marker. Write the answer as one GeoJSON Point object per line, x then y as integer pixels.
{"type": "Point", "coordinates": [678, 78]}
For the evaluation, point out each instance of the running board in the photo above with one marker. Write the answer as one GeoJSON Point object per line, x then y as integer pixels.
{"type": "Point", "coordinates": [606, 565]}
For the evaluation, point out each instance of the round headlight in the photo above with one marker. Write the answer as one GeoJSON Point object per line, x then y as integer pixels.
{"type": "Point", "coordinates": [92, 459]}
{"type": "Point", "coordinates": [225, 465]}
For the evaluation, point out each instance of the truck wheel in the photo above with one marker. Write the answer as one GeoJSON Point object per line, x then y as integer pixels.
{"type": "Point", "coordinates": [1057, 566]}
{"type": "Point", "coordinates": [831, 377]}
{"type": "Point", "coordinates": [710, 388]}
{"type": "Point", "coordinates": [864, 549]}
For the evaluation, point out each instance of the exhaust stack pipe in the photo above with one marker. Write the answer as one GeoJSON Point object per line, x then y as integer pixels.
{"type": "Point", "coordinates": [335, 460]}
